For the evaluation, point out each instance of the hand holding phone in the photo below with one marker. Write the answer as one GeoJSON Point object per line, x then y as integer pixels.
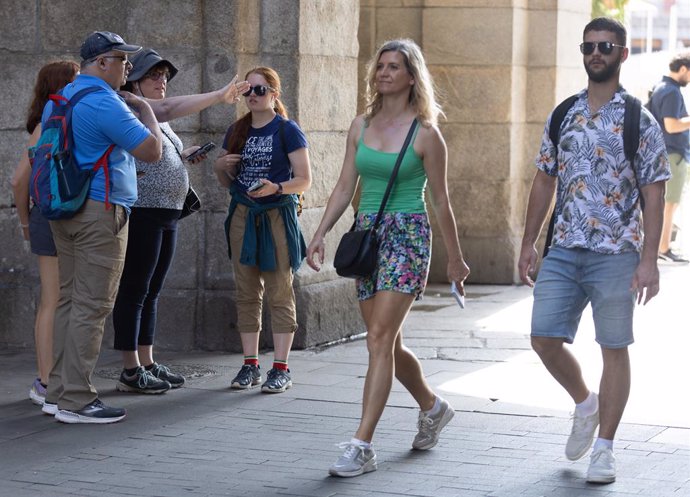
{"type": "Point", "coordinates": [458, 296]}
{"type": "Point", "coordinates": [203, 150]}
{"type": "Point", "coordinates": [255, 186]}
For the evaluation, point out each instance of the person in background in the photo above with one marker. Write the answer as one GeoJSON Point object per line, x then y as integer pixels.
{"type": "Point", "coordinates": [599, 255]}
{"type": "Point", "coordinates": [161, 190]}
{"type": "Point", "coordinates": [265, 166]}
{"type": "Point", "coordinates": [399, 91]}
{"type": "Point", "coordinates": [668, 108]}
{"type": "Point", "coordinates": [51, 78]}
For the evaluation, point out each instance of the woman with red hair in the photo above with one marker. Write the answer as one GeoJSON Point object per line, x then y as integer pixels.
{"type": "Point", "coordinates": [265, 166]}
{"type": "Point", "coordinates": [35, 228]}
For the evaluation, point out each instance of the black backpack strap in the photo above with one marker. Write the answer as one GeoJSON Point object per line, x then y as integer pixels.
{"type": "Point", "coordinates": [631, 135]}
{"type": "Point", "coordinates": [631, 127]}
{"type": "Point", "coordinates": [557, 117]}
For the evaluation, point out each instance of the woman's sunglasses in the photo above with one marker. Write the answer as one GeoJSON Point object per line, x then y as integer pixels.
{"type": "Point", "coordinates": [259, 90]}
{"type": "Point", "coordinates": [156, 76]}
{"type": "Point", "coordinates": [605, 47]}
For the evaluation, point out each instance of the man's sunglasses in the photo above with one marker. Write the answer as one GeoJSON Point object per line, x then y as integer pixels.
{"type": "Point", "coordinates": [605, 47]}
{"type": "Point", "coordinates": [259, 90]}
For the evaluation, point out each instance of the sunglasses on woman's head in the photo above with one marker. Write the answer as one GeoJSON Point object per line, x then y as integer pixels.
{"type": "Point", "coordinates": [259, 90]}
{"type": "Point", "coordinates": [605, 47]}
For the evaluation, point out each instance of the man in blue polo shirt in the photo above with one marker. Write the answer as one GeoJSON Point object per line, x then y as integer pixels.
{"type": "Point", "coordinates": [668, 107]}
{"type": "Point", "coordinates": [91, 245]}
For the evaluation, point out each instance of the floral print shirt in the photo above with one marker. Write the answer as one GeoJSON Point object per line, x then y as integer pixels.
{"type": "Point", "coordinates": [597, 199]}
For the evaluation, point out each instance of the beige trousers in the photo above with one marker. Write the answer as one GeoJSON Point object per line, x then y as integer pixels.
{"type": "Point", "coordinates": [91, 254]}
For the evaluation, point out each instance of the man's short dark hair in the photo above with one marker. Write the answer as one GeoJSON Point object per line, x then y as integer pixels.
{"type": "Point", "coordinates": [608, 24]}
{"type": "Point", "coordinates": [679, 60]}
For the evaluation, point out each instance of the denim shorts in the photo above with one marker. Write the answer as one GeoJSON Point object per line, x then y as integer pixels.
{"type": "Point", "coordinates": [569, 279]}
{"type": "Point", "coordinates": [40, 235]}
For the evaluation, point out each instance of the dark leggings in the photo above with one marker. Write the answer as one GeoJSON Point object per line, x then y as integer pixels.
{"type": "Point", "coordinates": [150, 251]}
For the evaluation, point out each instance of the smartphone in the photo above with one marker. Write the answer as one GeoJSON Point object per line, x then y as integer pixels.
{"type": "Point", "coordinates": [204, 149]}
{"type": "Point", "coordinates": [458, 297]}
{"type": "Point", "coordinates": [255, 186]}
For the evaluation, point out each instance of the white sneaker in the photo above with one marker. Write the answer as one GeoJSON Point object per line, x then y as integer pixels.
{"type": "Point", "coordinates": [582, 435]}
{"type": "Point", "coordinates": [355, 461]}
{"type": "Point", "coordinates": [602, 467]}
{"type": "Point", "coordinates": [430, 426]}
{"type": "Point", "coordinates": [49, 409]}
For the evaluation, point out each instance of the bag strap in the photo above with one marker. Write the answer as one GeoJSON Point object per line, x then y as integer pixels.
{"type": "Point", "coordinates": [408, 139]}
{"type": "Point", "coordinates": [557, 117]}
{"type": "Point", "coordinates": [172, 143]}
{"type": "Point", "coordinates": [102, 162]}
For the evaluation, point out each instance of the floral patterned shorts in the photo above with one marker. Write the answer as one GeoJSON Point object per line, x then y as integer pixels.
{"type": "Point", "coordinates": [404, 254]}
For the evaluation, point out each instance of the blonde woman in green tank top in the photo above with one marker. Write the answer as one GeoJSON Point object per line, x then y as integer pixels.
{"type": "Point", "coordinates": [399, 90]}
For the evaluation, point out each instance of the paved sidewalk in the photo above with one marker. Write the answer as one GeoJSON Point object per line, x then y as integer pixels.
{"type": "Point", "coordinates": [507, 438]}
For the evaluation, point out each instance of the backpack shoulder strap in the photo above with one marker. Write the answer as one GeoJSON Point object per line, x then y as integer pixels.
{"type": "Point", "coordinates": [631, 127]}
{"type": "Point", "coordinates": [557, 117]}
{"type": "Point", "coordinates": [281, 135]}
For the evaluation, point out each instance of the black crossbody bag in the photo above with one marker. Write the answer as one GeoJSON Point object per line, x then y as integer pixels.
{"type": "Point", "coordinates": [357, 252]}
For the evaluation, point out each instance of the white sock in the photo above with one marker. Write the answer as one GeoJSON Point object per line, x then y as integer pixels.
{"type": "Point", "coordinates": [360, 443]}
{"type": "Point", "coordinates": [434, 410]}
{"type": "Point", "coordinates": [602, 443]}
{"type": "Point", "coordinates": [589, 406]}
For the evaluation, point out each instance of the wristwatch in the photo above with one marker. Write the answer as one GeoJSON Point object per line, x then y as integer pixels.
{"type": "Point", "coordinates": [280, 189]}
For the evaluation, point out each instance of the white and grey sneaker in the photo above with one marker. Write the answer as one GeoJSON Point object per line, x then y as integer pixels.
{"type": "Point", "coordinates": [581, 435]}
{"type": "Point", "coordinates": [430, 426]}
{"type": "Point", "coordinates": [356, 460]}
{"type": "Point", "coordinates": [94, 413]}
{"type": "Point", "coordinates": [602, 467]}
{"type": "Point", "coordinates": [49, 409]}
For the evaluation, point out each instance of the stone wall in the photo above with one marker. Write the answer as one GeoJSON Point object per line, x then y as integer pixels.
{"type": "Point", "coordinates": [312, 44]}
{"type": "Point", "coordinates": [500, 67]}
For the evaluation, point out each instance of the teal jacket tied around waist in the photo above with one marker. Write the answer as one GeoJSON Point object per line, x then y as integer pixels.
{"type": "Point", "coordinates": [258, 248]}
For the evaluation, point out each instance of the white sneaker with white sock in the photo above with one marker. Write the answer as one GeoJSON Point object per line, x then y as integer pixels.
{"type": "Point", "coordinates": [582, 433]}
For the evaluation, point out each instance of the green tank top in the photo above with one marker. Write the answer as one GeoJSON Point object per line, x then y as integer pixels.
{"type": "Point", "coordinates": [375, 168]}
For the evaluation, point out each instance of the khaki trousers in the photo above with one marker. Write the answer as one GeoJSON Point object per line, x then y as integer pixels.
{"type": "Point", "coordinates": [250, 281]}
{"type": "Point", "coordinates": [91, 254]}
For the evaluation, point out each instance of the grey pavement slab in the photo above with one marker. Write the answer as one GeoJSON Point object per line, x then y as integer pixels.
{"type": "Point", "coordinates": [507, 438]}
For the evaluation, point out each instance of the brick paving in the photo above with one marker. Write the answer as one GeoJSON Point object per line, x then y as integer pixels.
{"type": "Point", "coordinates": [507, 438]}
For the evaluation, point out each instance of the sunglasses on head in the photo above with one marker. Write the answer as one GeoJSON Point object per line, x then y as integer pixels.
{"type": "Point", "coordinates": [259, 90]}
{"type": "Point", "coordinates": [605, 47]}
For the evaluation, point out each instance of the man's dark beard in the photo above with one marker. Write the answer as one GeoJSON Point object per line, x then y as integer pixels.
{"type": "Point", "coordinates": [606, 74]}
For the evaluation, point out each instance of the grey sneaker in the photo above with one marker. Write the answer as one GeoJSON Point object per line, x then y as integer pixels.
{"type": "Point", "coordinates": [142, 381]}
{"type": "Point", "coordinates": [94, 413]}
{"type": "Point", "coordinates": [430, 426]}
{"type": "Point", "coordinates": [602, 467]}
{"type": "Point", "coordinates": [581, 435]}
{"type": "Point", "coordinates": [163, 373]}
{"type": "Point", "coordinates": [248, 377]}
{"type": "Point", "coordinates": [355, 461]}
{"type": "Point", "coordinates": [278, 380]}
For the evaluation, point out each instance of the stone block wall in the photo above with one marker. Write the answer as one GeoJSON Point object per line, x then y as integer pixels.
{"type": "Point", "coordinates": [500, 67]}
{"type": "Point", "coordinates": [312, 44]}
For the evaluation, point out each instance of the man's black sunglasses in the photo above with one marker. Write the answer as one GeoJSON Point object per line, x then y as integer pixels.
{"type": "Point", "coordinates": [605, 47]}
{"type": "Point", "coordinates": [259, 90]}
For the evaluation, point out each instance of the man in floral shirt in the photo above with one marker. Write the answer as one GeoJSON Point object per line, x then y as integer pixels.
{"type": "Point", "coordinates": [599, 255]}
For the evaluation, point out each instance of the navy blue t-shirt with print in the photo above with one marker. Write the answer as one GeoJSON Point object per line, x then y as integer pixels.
{"type": "Point", "coordinates": [264, 156]}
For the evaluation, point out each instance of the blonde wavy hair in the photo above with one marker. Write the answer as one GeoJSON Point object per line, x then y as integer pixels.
{"type": "Point", "coordinates": [422, 93]}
